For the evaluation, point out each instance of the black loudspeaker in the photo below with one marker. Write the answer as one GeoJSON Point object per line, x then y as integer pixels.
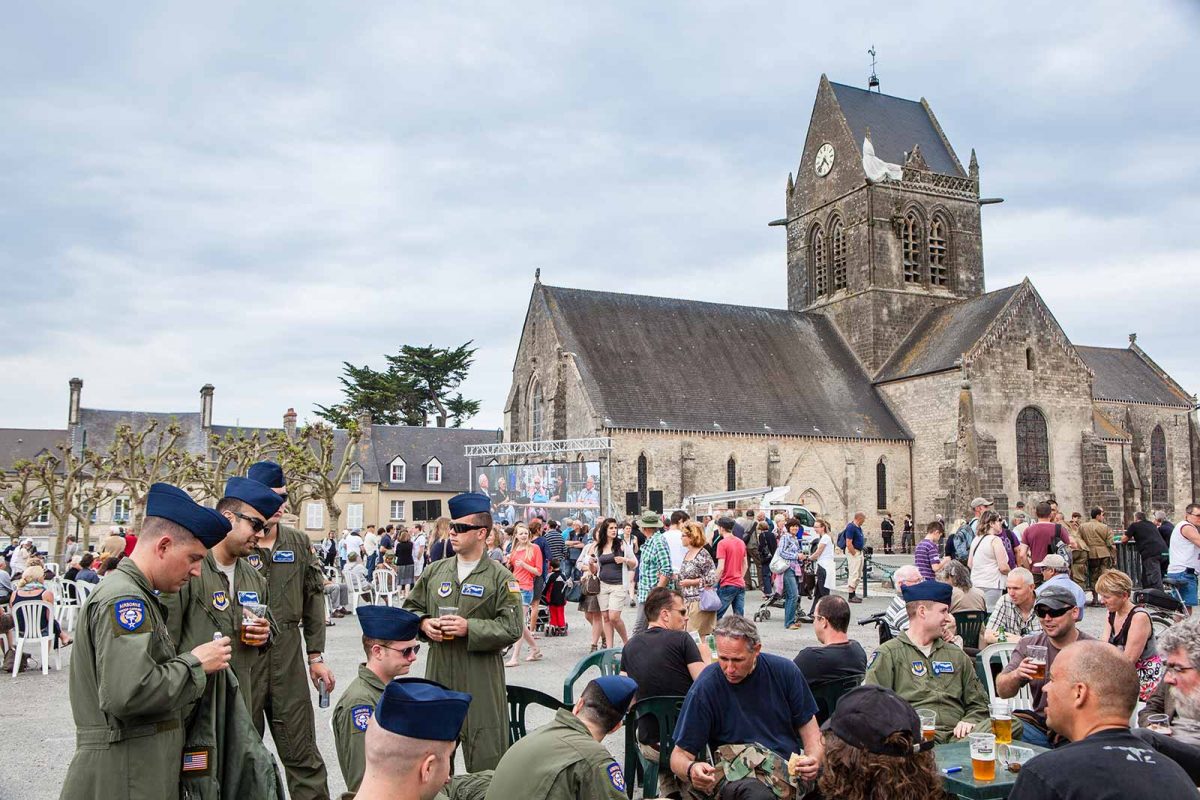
{"type": "Point", "coordinates": [631, 503]}
{"type": "Point", "coordinates": [656, 503]}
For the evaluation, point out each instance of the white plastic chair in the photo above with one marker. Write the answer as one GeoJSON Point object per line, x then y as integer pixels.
{"type": "Point", "coordinates": [360, 590]}
{"type": "Point", "coordinates": [385, 586]}
{"type": "Point", "coordinates": [1002, 654]}
{"type": "Point", "coordinates": [66, 602]}
{"type": "Point", "coordinates": [30, 616]}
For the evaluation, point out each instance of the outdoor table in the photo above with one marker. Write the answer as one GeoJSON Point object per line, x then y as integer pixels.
{"type": "Point", "coordinates": [963, 784]}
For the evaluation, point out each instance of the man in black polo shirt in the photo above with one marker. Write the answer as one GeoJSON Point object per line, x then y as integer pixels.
{"type": "Point", "coordinates": [1150, 547]}
{"type": "Point", "coordinates": [838, 657]}
{"type": "Point", "coordinates": [664, 660]}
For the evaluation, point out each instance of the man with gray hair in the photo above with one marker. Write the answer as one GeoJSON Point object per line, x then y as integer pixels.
{"type": "Point", "coordinates": [1178, 696]}
{"type": "Point", "coordinates": [1013, 616]}
{"type": "Point", "coordinates": [753, 710]}
{"type": "Point", "coordinates": [896, 614]}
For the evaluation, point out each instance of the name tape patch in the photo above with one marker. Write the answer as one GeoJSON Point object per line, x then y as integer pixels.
{"type": "Point", "coordinates": [247, 597]}
{"type": "Point", "coordinates": [472, 590]}
{"type": "Point", "coordinates": [943, 668]}
{"type": "Point", "coordinates": [284, 557]}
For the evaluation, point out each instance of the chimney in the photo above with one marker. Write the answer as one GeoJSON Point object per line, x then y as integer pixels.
{"type": "Point", "coordinates": [73, 406]}
{"type": "Point", "coordinates": [289, 423]}
{"type": "Point", "coordinates": [206, 400]}
{"type": "Point", "coordinates": [364, 421]}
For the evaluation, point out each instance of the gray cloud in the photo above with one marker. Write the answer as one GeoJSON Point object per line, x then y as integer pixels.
{"type": "Point", "coordinates": [249, 196]}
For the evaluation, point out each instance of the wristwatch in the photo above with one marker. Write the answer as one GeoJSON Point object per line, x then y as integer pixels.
{"type": "Point", "coordinates": [317, 659]}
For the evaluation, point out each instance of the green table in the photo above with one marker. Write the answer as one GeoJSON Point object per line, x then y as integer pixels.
{"type": "Point", "coordinates": [963, 784]}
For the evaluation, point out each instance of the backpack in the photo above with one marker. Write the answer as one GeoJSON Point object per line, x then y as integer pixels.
{"type": "Point", "coordinates": [961, 540]}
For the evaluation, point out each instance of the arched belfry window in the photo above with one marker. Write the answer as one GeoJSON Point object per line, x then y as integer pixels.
{"type": "Point", "coordinates": [911, 237]}
{"type": "Point", "coordinates": [1030, 359]}
{"type": "Point", "coordinates": [819, 261]}
{"type": "Point", "coordinates": [643, 481]}
{"type": "Point", "coordinates": [837, 250]}
{"type": "Point", "coordinates": [731, 478]}
{"type": "Point", "coordinates": [881, 485]}
{"type": "Point", "coordinates": [1033, 451]}
{"type": "Point", "coordinates": [1158, 467]}
{"type": "Point", "coordinates": [536, 412]}
{"type": "Point", "coordinates": [939, 251]}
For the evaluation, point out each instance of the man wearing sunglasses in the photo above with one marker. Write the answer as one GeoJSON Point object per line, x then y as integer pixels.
{"type": "Point", "coordinates": [466, 644]}
{"type": "Point", "coordinates": [215, 601]}
{"type": "Point", "coordinates": [1054, 609]}
{"type": "Point", "coordinates": [389, 639]}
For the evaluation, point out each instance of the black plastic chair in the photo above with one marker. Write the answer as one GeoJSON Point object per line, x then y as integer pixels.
{"type": "Point", "coordinates": [828, 694]}
{"type": "Point", "coordinates": [520, 699]}
{"type": "Point", "coordinates": [637, 767]}
{"type": "Point", "coordinates": [607, 661]}
{"type": "Point", "coordinates": [970, 626]}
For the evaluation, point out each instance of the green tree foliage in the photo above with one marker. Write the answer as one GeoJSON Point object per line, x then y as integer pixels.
{"type": "Point", "coordinates": [418, 383]}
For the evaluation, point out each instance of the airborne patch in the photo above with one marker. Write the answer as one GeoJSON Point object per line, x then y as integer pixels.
{"type": "Point", "coordinates": [361, 716]}
{"type": "Point", "coordinates": [129, 614]}
{"type": "Point", "coordinates": [616, 777]}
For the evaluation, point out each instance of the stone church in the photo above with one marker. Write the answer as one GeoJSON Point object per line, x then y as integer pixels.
{"type": "Point", "coordinates": [893, 381]}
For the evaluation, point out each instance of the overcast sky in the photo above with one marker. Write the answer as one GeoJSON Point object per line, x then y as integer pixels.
{"type": "Point", "coordinates": [248, 194]}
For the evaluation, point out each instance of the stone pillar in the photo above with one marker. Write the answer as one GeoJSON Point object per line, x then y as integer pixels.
{"type": "Point", "coordinates": [76, 385]}
{"type": "Point", "coordinates": [1099, 486]}
{"type": "Point", "coordinates": [687, 469]}
{"type": "Point", "coordinates": [206, 407]}
{"type": "Point", "coordinates": [773, 460]}
{"type": "Point", "coordinates": [289, 423]}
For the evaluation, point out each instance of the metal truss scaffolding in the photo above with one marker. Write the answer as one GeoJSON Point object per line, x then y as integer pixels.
{"type": "Point", "coordinates": [546, 447]}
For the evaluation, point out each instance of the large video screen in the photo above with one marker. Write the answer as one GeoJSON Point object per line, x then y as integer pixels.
{"type": "Point", "coordinates": [521, 492]}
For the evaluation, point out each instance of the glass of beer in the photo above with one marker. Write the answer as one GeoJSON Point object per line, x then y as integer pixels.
{"type": "Point", "coordinates": [1002, 722]}
{"type": "Point", "coordinates": [928, 723]}
{"type": "Point", "coordinates": [983, 756]}
{"type": "Point", "coordinates": [1036, 653]}
{"type": "Point", "coordinates": [1159, 723]}
{"type": "Point", "coordinates": [447, 611]}
{"type": "Point", "coordinates": [252, 614]}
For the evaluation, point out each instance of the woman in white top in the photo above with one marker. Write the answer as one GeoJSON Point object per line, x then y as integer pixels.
{"type": "Point", "coordinates": [822, 556]}
{"type": "Point", "coordinates": [988, 559]}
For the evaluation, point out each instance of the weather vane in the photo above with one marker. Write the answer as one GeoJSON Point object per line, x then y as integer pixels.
{"type": "Point", "coordinates": [873, 81]}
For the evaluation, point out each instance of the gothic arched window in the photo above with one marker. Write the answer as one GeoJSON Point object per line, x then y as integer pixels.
{"type": "Point", "coordinates": [819, 262]}
{"type": "Point", "coordinates": [939, 251]}
{"type": "Point", "coordinates": [536, 408]}
{"type": "Point", "coordinates": [1158, 467]}
{"type": "Point", "coordinates": [881, 485]}
{"type": "Point", "coordinates": [837, 247]}
{"type": "Point", "coordinates": [731, 478]}
{"type": "Point", "coordinates": [911, 236]}
{"type": "Point", "coordinates": [1033, 451]}
{"type": "Point", "coordinates": [643, 481]}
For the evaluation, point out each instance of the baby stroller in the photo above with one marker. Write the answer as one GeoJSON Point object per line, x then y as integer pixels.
{"type": "Point", "coordinates": [772, 600]}
{"type": "Point", "coordinates": [807, 581]}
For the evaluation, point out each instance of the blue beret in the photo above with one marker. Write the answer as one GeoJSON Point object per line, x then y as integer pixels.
{"type": "Point", "coordinates": [421, 709]}
{"type": "Point", "coordinates": [268, 473]}
{"type": "Point", "coordinates": [468, 503]}
{"type": "Point", "coordinates": [388, 623]}
{"type": "Point", "coordinates": [258, 496]}
{"type": "Point", "coordinates": [935, 591]}
{"type": "Point", "coordinates": [619, 689]}
{"type": "Point", "coordinates": [174, 504]}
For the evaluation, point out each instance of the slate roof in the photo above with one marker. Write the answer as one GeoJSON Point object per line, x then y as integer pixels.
{"type": "Point", "coordinates": [646, 362]}
{"type": "Point", "coordinates": [941, 337]}
{"type": "Point", "coordinates": [896, 125]}
{"type": "Point", "coordinates": [417, 446]}
{"type": "Point", "coordinates": [17, 444]}
{"type": "Point", "coordinates": [1105, 428]}
{"type": "Point", "coordinates": [101, 426]}
{"type": "Point", "coordinates": [1123, 375]}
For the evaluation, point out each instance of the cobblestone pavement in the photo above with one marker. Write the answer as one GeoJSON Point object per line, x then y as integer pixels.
{"type": "Point", "coordinates": [35, 713]}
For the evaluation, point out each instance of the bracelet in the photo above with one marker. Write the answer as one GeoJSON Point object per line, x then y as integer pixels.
{"type": "Point", "coordinates": [689, 770]}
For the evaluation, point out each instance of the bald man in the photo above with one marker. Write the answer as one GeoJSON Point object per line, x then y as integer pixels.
{"type": "Point", "coordinates": [1090, 695]}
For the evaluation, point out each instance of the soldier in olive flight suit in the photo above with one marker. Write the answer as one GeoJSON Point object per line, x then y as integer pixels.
{"type": "Point", "coordinates": [389, 639]}
{"type": "Point", "coordinates": [466, 647]}
{"type": "Point", "coordinates": [567, 758]}
{"type": "Point", "coordinates": [295, 585]}
{"type": "Point", "coordinates": [209, 604]}
{"type": "Point", "coordinates": [129, 684]}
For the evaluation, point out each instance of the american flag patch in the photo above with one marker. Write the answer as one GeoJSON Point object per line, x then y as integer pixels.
{"type": "Point", "coordinates": [195, 761]}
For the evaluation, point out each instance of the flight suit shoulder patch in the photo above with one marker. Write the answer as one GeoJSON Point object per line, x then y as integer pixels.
{"type": "Point", "coordinates": [129, 616]}
{"type": "Point", "coordinates": [360, 716]}
{"type": "Point", "coordinates": [514, 587]}
{"type": "Point", "coordinates": [616, 777]}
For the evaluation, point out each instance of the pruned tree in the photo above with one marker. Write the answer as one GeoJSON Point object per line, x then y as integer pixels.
{"type": "Point", "coordinates": [319, 463]}
{"type": "Point", "coordinates": [231, 454]}
{"type": "Point", "coordinates": [141, 457]}
{"type": "Point", "coordinates": [71, 485]}
{"type": "Point", "coordinates": [19, 496]}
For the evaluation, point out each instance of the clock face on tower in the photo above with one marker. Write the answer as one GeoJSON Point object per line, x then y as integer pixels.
{"type": "Point", "coordinates": [824, 160]}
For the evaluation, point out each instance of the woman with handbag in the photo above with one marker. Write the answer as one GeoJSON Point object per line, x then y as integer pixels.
{"type": "Point", "coordinates": [612, 561]}
{"type": "Point", "coordinates": [525, 561]}
{"type": "Point", "coordinates": [698, 580]}
{"type": "Point", "coordinates": [589, 600]}
{"type": "Point", "coordinates": [789, 554]}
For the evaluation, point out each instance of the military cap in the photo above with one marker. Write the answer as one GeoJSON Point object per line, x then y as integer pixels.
{"type": "Point", "coordinates": [618, 689]}
{"type": "Point", "coordinates": [254, 494]}
{"type": "Point", "coordinates": [867, 716]}
{"type": "Point", "coordinates": [468, 503]}
{"type": "Point", "coordinates": [268, 473]}
{"type": "Point", "coordinates": [388, 623]}
{"type": "Point", "coordinates": [174, 504]}
{"type": "Point", "coordinates": [421, 709]}
{"type": "Point", "coordinates": [934, 591]}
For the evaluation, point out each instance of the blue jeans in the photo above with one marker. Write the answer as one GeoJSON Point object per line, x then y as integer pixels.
{"type": "Point", "coordinates": [1187, 586]}
{"type": "Point", "coordinates": [791, 593]}
{"type": "Point", "coordinates": [734, 595]}
{"type": "Point", "coordinates": [371, 559]}
{"type": "Point", "coordinates": [1032, 735]}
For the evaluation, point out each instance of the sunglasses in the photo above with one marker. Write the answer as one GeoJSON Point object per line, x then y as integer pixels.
{"type": "Point", "coordinates": [462, 527]}
{"type": "Point", "coordinates": [1055, 613]}
{"type": "Point", "coordinates": [255, 523]}
{"type": "Point", "coordinates": [407, 652]}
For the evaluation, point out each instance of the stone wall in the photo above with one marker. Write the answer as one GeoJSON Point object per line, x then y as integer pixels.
{"type": "Point", "coordinates": [1139, 420]}
{"type": "Point", "coordinates": [928, 407]}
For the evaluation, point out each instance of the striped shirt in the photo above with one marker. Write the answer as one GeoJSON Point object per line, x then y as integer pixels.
{"type": "Point", "coordinates": [926, 556]}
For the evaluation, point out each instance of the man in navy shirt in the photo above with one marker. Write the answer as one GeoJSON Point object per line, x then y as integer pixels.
{"type": "Point", "coordinates": [852, 541]}
{"type": "Point", "coordinates": [747, 697]}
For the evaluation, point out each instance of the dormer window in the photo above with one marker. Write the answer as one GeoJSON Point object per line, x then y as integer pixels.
{"type": "Point", "coordinates": [397, 469]}
{"type": "Point", "coordinates": [433, 471]}
{"type": "Point", "coordinates": [356, 478]}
